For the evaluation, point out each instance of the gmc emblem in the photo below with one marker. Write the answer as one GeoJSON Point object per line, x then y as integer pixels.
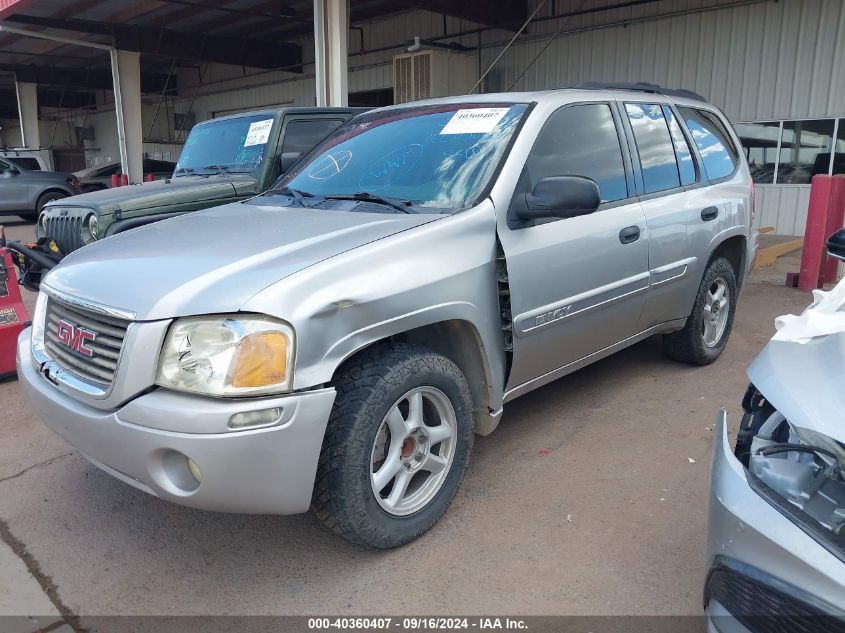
{"type": "Point", "coordinates": [75, 337]}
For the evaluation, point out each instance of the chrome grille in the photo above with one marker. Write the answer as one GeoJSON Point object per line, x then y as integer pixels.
{"type": "Point", "coordinates": [66, 231]}
{"type": "Point", "coordinates": [109, 333]}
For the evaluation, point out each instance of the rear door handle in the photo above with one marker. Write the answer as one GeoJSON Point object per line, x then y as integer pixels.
{"type": "Point", "coordinates": [710, 213]}
{"type": "Point", "coordinates": [629, 234]}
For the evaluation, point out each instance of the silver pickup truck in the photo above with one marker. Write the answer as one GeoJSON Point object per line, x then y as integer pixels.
{"type": "Point", "coordinates": [336, 342]}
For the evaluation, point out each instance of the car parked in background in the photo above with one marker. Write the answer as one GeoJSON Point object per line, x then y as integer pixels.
{"type": "Point", "coordinates": [99, 177]}
{"type": "Point", "coordinates": [337, 341]}
{"type": "Point", "coordinates": [776, 542]}
{"type": "Point", "coordinates": [224, 160]}
{"type": "Point", "coordinates": [30, 159]}
{"type": "Point", "coordinates": [25, 193]}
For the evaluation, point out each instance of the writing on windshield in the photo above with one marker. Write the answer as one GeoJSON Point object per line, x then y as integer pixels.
{"type": "Point", "coordinates": [228, 145]}
{"type": "Point", "coordinates": [440, 157]}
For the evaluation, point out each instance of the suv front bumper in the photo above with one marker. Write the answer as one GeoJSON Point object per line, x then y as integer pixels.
{"type": "Point", "coordinates": [768, 556]}
{"type": "Point", "coordinates": [266, 470]}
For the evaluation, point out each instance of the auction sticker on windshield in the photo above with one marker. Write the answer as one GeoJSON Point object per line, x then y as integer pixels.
{"type": "Point", "coordinates": [259, 133]}
{"type": "Point", "coordinates": [474, 121]}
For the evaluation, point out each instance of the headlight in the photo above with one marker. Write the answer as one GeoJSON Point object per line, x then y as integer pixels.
{"type": "Point", "coordinates": [227, 355]}
{"type": "Point", "coordinates": [91, 226]}
{"type": "Point", "coordinates": [41, 227]}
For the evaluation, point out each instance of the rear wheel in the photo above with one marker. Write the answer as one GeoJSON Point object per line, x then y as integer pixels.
{"type": "Point", "coordinates": [706, 332]}
{"type": "Point", "coordinates": [47, 197]}
{"type": "Point", "coordinates": [396, 447]}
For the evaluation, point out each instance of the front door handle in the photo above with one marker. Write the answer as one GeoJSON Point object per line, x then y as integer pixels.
{"type": "Point", "coordinates": [710, 213]}
{"type": "Point", "coordinates": [629, 234]}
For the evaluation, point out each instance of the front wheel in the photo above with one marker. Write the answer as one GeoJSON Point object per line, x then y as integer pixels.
{"type": "Point", "coordinates": [706, 332]}
{"type": "Point", "coordinates": [396, 447]}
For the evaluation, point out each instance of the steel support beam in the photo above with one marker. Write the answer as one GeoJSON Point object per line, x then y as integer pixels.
{"type": "Point", "coordinates": [28, 114]}
{"type": "Point", "coordinates": [507, 14]}
{"type": "Point", "coordinates": [331, 34]}
{"type": "Point", "coordinates": [92, 78]}
{"type": "Point", "coordinates": [267, 54]}
{"type": "Point", "coordinates": [126, 71]}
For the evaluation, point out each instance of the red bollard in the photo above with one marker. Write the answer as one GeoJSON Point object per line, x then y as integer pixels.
{"type": "Point", "coordinates": [115, 180]}
{"type": "Point", "coordinates": [825, 215]}
{"type": "Point", "coordinates": [124, 180]}
{"type": "Point", "coordinates": [835, 221]}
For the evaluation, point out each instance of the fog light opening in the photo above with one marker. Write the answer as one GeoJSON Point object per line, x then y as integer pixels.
{"type": "Point", "coordinates": [254, 419]}
{"type": "Point", "coordinates": [182, 474]}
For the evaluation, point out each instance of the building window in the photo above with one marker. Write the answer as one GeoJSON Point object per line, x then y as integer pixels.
{"type": "Point", "coordinates": [760, 144]}
{"type": "Point", "coordinates": [804, 151]}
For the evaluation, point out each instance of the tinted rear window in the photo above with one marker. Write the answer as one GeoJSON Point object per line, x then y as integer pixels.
{"type": "Point", "coordinates": [25, 162]}
{"type": "Point", "coordinates": [718, 153]}
{"type": "Point", "coordinates": [654, 146]}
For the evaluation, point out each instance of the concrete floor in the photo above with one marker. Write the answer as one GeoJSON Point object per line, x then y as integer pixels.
{"type": "Point", "coordinates": [590, 498]}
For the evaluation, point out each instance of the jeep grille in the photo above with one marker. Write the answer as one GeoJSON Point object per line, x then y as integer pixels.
{"type": "Point", "coordinates": [66, 231]}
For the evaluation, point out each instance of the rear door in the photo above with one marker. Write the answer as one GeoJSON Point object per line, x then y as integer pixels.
{"type": "Point", "coordinates": [674, 202]}
{"type": "Point", "coordinates": [577, 285]}
{"type": "Point", "coordinates": [13, 188]}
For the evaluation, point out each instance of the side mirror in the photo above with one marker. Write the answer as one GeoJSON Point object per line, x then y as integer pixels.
{"type": "Point", "coordinates": [836, 245]}
{"type": "Point", "coordinates": [557, 197]}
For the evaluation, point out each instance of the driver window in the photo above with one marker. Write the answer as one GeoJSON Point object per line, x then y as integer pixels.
{"type": "Point", "coordinates": [5, 168]}
{"type": "Point", "coordinates": [579, 140]}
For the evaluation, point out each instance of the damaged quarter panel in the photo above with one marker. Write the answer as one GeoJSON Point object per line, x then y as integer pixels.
{"type": "Point", "coordinates": [441, 271]}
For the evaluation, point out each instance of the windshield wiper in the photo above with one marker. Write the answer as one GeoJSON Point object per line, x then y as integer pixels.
{"type": "Point", "coordinates": [365, 196]}
{"type": "Point", "coordinates": [296, 194]}
{"type": "Point", "coordinates": [184, 170]}
{"type": "Point", "coordinates": [220, 168]}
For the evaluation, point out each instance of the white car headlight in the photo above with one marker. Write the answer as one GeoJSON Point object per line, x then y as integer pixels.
{"type": "Point", "coordinates": [227, 355]}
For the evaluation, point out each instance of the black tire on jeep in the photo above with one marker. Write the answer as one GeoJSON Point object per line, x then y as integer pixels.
{"type": "Point", "coordinates": [397, 445]}
{"type": "Point", "coordinates": [708, 327]}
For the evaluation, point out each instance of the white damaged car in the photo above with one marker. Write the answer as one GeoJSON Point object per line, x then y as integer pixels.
{"type": "Point", "coordinates": [776, 543]}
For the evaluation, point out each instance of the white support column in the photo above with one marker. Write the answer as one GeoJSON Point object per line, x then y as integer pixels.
{"type": "Point", "coordinates": [331, 35]}
{"type": "Point", "coordinates": [126, 78]}
{"type": "Point", "coordinates": [28, 114]}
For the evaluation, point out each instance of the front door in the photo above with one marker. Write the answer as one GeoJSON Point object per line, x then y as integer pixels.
{"type": "Point", "coordinates": [13, 188]}
{"type": "Point", "coordinates": [577, 285]}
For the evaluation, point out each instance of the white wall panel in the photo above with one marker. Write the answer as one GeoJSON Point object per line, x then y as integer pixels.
{"type": "Point", "coordinates": [783, 207]}
{"type": "Point", "coordinates": [758, 61]}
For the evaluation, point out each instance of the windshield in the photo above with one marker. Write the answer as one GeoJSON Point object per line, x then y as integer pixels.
{"type": "Point", "coordinates": [230, 145]}
{"type": "Point", "coordinates": [432, 158]}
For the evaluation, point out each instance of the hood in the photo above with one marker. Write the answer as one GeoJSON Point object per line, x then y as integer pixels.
{"type": "Point", "coordinates": [801, 371]}
{"type": "Point", "coordinates": [150, 195]}
{"type": "Point", "coordinates": [214, 261]}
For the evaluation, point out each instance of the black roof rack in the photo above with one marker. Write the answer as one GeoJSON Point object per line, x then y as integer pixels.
{"type": "Point", "coordinates": [640, 86]}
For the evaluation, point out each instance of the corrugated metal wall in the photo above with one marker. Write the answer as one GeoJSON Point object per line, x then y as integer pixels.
{"type": "Point", "coordinates": [756, 60]}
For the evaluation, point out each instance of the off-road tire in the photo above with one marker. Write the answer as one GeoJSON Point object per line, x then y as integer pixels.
{"type": "Point", "coordinates": [367, 387]}
{"type": "Point", "coordinates": [44, 198]}
{"type": "Point", "coordinates": [687, 345]}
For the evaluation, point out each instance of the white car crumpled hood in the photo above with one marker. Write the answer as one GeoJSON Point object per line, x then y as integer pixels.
{"type": "Point", "coordinates": [801, 371]}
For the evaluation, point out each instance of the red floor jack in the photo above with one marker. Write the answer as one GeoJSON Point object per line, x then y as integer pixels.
{"type": "Point", "coordinates": [13, 314]}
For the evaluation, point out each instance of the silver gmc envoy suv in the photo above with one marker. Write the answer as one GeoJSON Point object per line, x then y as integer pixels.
{"type": "Point", "coordinates": [336, 342]}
